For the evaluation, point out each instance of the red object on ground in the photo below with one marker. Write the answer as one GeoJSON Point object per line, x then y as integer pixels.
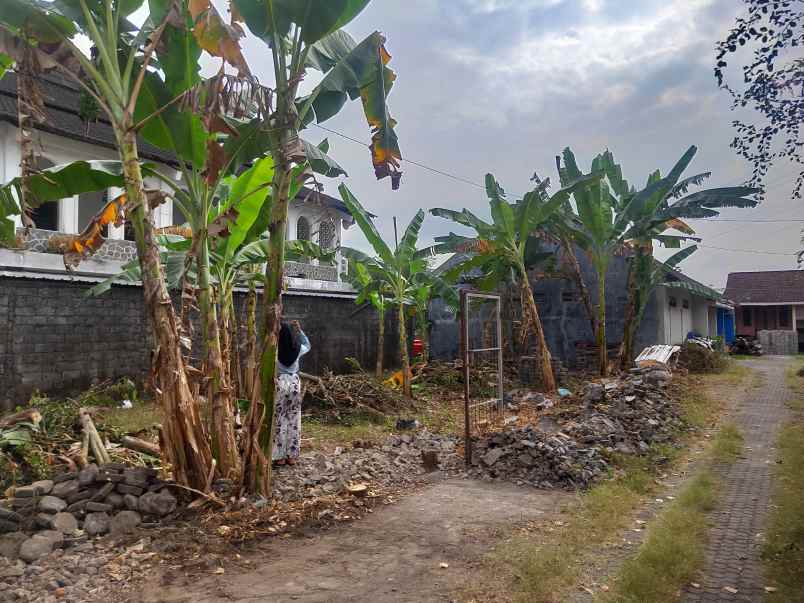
{"type": "Point", "coordinates": [418, 347]}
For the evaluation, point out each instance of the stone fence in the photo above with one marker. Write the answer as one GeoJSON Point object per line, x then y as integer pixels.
{"type": "Point", "coordinates": [779, 343]}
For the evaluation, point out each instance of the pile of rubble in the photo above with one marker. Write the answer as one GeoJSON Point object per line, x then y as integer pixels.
{"type": "Point", "coordinates": [75, 506]}
{"type": "Point", "coordinates": [623, 415]}
{"type": "Point", "coordinates": [400, 461]}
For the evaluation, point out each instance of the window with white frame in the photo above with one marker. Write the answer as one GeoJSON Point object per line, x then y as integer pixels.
{"type": "Point", "coordinates": [303, 229]}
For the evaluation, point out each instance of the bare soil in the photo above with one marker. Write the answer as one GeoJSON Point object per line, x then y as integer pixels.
{"type": "Point", "coordinates": [396, 554]}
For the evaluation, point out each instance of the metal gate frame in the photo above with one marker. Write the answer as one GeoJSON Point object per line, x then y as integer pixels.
{"type": "Point", "coordinates": [466, 297]}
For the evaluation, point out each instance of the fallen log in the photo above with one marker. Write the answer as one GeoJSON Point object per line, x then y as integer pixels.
{"type": "Point", "coordinates": [91, 434]}
{"type": "Point", "coordinates": [139, 445]}
{"type": "Point", "coordinates": [31, 415]}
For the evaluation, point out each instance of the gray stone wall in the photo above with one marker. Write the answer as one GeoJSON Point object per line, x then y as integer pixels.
{"type": "Point", "coordinates": [563, 316]}
{"type": "Point", "coordinates": [55, 339]}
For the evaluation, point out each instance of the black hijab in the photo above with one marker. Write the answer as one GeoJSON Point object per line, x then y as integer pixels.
{"type": "Point", "coordinates": [289, 345]}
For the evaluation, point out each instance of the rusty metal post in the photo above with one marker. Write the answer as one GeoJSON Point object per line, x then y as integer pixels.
{"type": "Point", "coordinates": [464, 325]}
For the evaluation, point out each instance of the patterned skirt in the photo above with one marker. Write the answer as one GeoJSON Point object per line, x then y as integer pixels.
{"type": "Point", "coordinates": [287, 437]}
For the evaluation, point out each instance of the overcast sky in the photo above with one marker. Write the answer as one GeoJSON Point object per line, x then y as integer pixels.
{"type": "Point", "coordinates": [502, 86]}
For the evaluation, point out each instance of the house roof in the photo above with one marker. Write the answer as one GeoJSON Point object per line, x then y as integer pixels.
{"type": "Point", "coordinates": [767, 287]}
{"type": "Point", "coordinates": [61, 107]}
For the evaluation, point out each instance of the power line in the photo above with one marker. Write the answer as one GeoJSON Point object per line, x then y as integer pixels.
{"type": "Point", "coordinates": [756, 220]}
{"type": "Point", "coordinates": [773, 185]}
{"type": "Point", "coordinates": [407, 159]}
{"type": "Point", "coordinates": [755, 251]}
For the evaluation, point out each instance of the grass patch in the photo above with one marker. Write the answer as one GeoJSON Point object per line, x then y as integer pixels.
{"type": "Point", "coordinates": [141, 417]}
{"type": "Point", "coordinates": [784, 548]}
{"type": "Point", "coordinates": [795, 382]}
{"type": "Point", "coordinates": [673, 549]}
{"type": "Point", "coordinates": [727, 443]}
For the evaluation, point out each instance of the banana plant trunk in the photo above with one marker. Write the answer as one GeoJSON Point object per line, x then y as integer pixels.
{"type": "Point", "coordinates": [602, 348]}
{"type": "Point", "coordinates": [186, 445]}
{"type": "Point", "coordinates": [250, 368]}
{"type": "Point", "coordinates": [403, 351]}
{"type": "Point", "coordinates": [424, 335]}
{"type": "Point", "coordinates": [577, 275]}
{"type": "Point", "coordinates": [544, 364]}
{"type": "Point", "coordinates": [380, 341]}
{"type": "Point", "coordinates": [218, 389]}
{"type": "Point", "coordinates": [626, 353]}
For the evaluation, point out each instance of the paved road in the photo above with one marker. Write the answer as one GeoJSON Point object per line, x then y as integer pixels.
{"type": "Point", "coordinates": [735, 540]}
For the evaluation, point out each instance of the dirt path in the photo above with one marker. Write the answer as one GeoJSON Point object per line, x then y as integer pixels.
{"type": "Point", "coordinates": [733, 553]}
{"type": "Point", "coordinates": [393, 555]}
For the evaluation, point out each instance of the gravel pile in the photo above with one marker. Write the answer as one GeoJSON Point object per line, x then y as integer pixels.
{"type": "Point", "coordinates": [624, 415]}
{"type": "Point", "coordinates": [398, 462]}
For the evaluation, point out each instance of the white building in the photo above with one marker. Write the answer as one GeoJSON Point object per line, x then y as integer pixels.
{"type": "Point", "coordinates": [65, 137]}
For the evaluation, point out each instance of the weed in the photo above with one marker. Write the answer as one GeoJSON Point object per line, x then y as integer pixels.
{"type": "Point", "coordinates": [783, 551]}
{"type": "Point", "coordinates": [727, 443]}
{"type": "Point", "coordinates": [673, 549]}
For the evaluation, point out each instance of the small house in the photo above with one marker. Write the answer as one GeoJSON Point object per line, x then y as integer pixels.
{"type": "Point", "coordinates": [771, 300]}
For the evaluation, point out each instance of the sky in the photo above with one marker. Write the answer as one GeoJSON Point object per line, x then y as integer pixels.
{"type": "Point", "coordinates": [502, 86]}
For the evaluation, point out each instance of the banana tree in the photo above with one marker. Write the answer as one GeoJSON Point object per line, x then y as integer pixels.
{"type": "Point", "coordinates": [397, 274]}
{"type": "Point", "coordinates": [113, 77]}
{"type": "Point", "coordinates": [300, 36]}
{"type": "Point", "coordinates": [371, 289]}
{"type": "Point", "coordinates": [499, 248]}
{"type": "Point", "coordinates": [664, 205]}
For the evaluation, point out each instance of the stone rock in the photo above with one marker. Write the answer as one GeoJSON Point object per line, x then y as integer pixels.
{"type": "Point", "coordinates": [96, 507]}
{"type": "Point", "coordinates": [42, 487]}
{"type": "Point", "coordinates": [64, 477]}
{"type": "Point", "coordinates": [35, 548]}
{"type": "Point", "coordinates": [131, 502]}
{"type": "Point", "coordinates": [157, 503]}
{"type": "Point", "coordinates": [66, 489]}
{"type": "Point", "coordinates": [10, 545]}
{"type": "Point", "coordinates": [595, 392]}
{"type": "Point", "coordinates": [78, 507]}
{"type": "Point", "coordinates": [44, 521]}
{"type": "Point", "coordinates": [22, 504]}
{"type": "Point", "coordinates": [493, 455]}
{"type": "Point", "coordinates": [55, 536]}
{"type": "Point", "coordinates": [9, 515]}
{"type": "Point", "coordinates": [64, 523]}
{"type": "Point", "coordinates": [15, 570]}
{"type": "Point", "coordinates": [24, 492]}
{"type": "Point", "coordinates": [125, 522]}
{"type": "Point", "coordinates": [52, 504]}
{"type": "Point", "coordinates": [88, 475]}
{"type": "Point", "coordinates": [8, 526]}
{"type": "Point", "coordinates": [80, 495]}
{"type": "Point", "coordinates": [104, 491]}
{"type": "Point", "coordinates": [96, 524]}
{"type": "Point", "coordinates": [134, 476]}
{"type": "Point", "coordinates": [115, 500]}
{"type": "Point", "coordinates": [128, 489]}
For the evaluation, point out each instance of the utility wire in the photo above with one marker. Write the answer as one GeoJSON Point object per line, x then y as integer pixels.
{"type": "Point", "coordinates": [771, 186]}
{"type": "Point", "coordinates": [756, 251]}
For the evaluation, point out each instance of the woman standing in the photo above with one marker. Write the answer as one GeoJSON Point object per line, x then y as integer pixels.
{"type": "Point", "coordinates": [293, 344]}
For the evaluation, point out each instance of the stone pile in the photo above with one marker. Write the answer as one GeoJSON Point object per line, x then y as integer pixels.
{"type": "Point", "coordinates": [51, 514]}
{"type": "Point", "coordinates": [398, 462]}
{"type": "Point", "coordinates": [616, 416]}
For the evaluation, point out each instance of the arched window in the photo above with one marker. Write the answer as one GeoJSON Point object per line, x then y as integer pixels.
{"type": "Point", "coordinates": [303, 229]}
{"type": "Point", "coordinates": [326, 235]}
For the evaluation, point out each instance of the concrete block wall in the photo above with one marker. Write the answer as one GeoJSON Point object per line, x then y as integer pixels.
{"type": "Point", "coordinates": [779, 343]}
{"type": "Point", "coordinates": [54, 339]}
